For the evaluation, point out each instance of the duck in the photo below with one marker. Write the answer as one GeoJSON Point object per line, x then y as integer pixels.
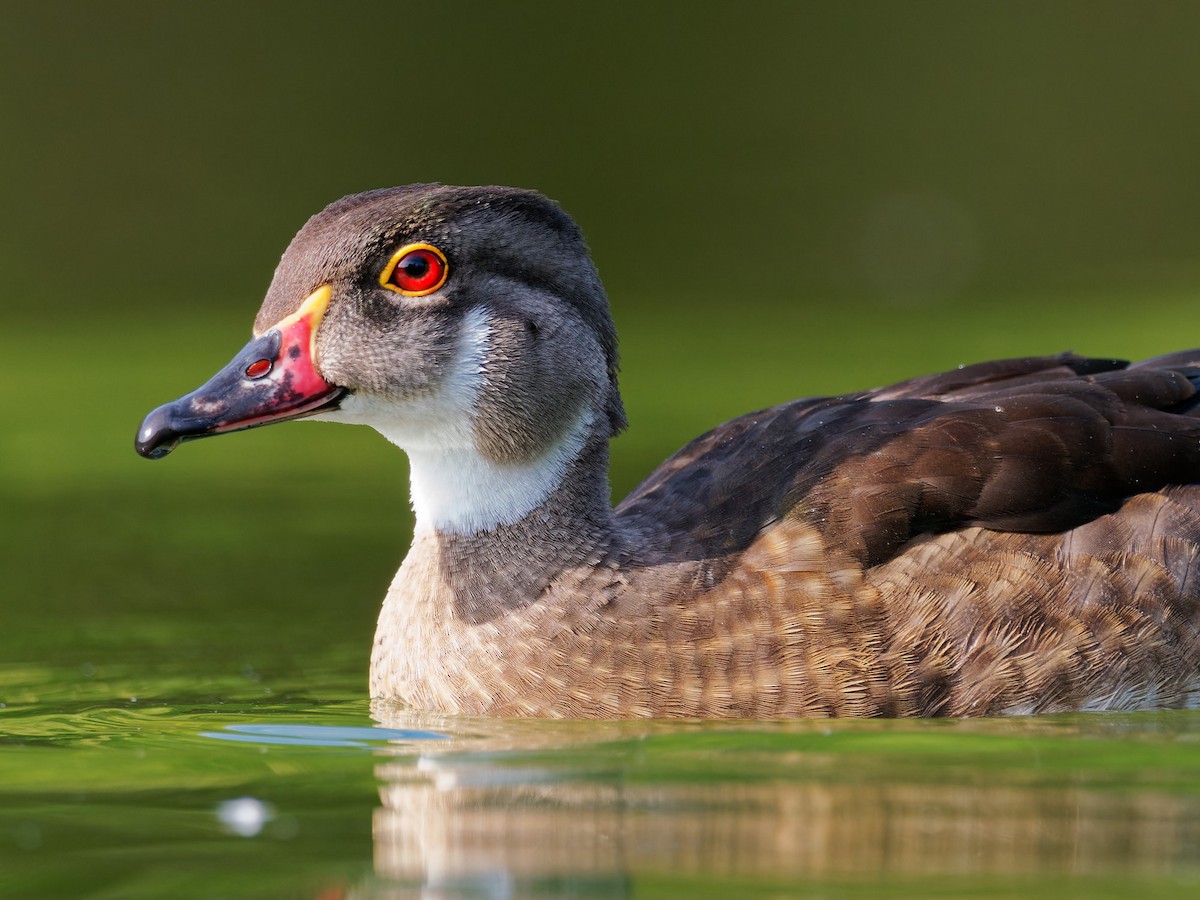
{"type": "Point", "coordinates": [1012, 537]}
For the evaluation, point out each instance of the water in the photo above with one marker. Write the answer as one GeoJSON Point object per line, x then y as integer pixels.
{"type": "Point", "coordinates": [183, 664]}
{"type": "Point", "coordinates": [317, 799]}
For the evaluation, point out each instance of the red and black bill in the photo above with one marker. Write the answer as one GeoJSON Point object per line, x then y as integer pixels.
{"type": "Point", "coordinates": [272, 379]}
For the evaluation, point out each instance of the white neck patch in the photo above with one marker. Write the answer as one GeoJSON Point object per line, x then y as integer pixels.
{"type": "Point", "coordinates": [454, 487]}
{"type": "Point", "coordinates": [462, 492]}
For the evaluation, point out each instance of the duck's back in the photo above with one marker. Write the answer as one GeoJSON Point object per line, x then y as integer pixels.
{"type": "Point", "coordinates": [1016, 536]}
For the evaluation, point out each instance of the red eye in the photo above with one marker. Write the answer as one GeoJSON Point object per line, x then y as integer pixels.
{"type": "Point", "coordinates": [416, 270]}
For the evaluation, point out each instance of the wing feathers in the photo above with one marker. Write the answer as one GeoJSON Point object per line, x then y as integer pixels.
{"type": "Point", "coordinates": [1038, 445]}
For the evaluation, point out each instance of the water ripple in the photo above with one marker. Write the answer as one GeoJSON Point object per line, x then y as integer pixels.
{"type": "Point", "coordinates": [320, 735]}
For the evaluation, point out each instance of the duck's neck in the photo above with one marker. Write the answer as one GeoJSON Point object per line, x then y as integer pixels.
{"type": "Point", "coordinates": [498, 535]}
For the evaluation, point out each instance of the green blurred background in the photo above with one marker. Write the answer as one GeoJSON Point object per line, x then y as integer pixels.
{"type": "Point", "coordinates": [158, 155]}
{"type": "Point", "coordinates": [783, 199]}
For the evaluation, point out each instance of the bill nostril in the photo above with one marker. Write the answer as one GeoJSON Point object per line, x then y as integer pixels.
{"type": "Point", "coordinates": [259, 368]}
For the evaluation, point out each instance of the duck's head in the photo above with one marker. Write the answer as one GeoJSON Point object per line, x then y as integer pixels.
{"type": "Point", "coordinates": [449, 318]}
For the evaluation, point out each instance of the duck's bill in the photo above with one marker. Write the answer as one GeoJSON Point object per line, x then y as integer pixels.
{"type": "Point", "coordinates": [274, 378]}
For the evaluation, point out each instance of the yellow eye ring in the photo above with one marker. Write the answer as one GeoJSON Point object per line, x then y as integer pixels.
{"type": "Point", "coordinates": [415, 270]}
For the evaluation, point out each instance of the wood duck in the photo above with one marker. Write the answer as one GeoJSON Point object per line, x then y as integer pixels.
{"type": "Point", "coordinates": [1012, 537]}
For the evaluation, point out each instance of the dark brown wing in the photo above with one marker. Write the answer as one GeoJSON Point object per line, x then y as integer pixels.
{"type": "Point", "coordinates": [1039, 445]}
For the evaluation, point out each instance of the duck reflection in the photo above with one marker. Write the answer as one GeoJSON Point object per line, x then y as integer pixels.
{"type": "Point", "coordinates": [529, 809]}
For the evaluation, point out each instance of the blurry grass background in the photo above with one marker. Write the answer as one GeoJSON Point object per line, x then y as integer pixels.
{"type": "Point", "coordinates": [783, 199]}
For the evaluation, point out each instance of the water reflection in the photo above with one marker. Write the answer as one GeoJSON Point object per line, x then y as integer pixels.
{"type": "Point", "coordinates": [522, 808]}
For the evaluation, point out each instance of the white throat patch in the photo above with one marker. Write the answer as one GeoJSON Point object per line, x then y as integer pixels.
{"type": "Point", "coordinates": [454, 487]}
{"type": "Point", "coordinates": [461, 492]}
